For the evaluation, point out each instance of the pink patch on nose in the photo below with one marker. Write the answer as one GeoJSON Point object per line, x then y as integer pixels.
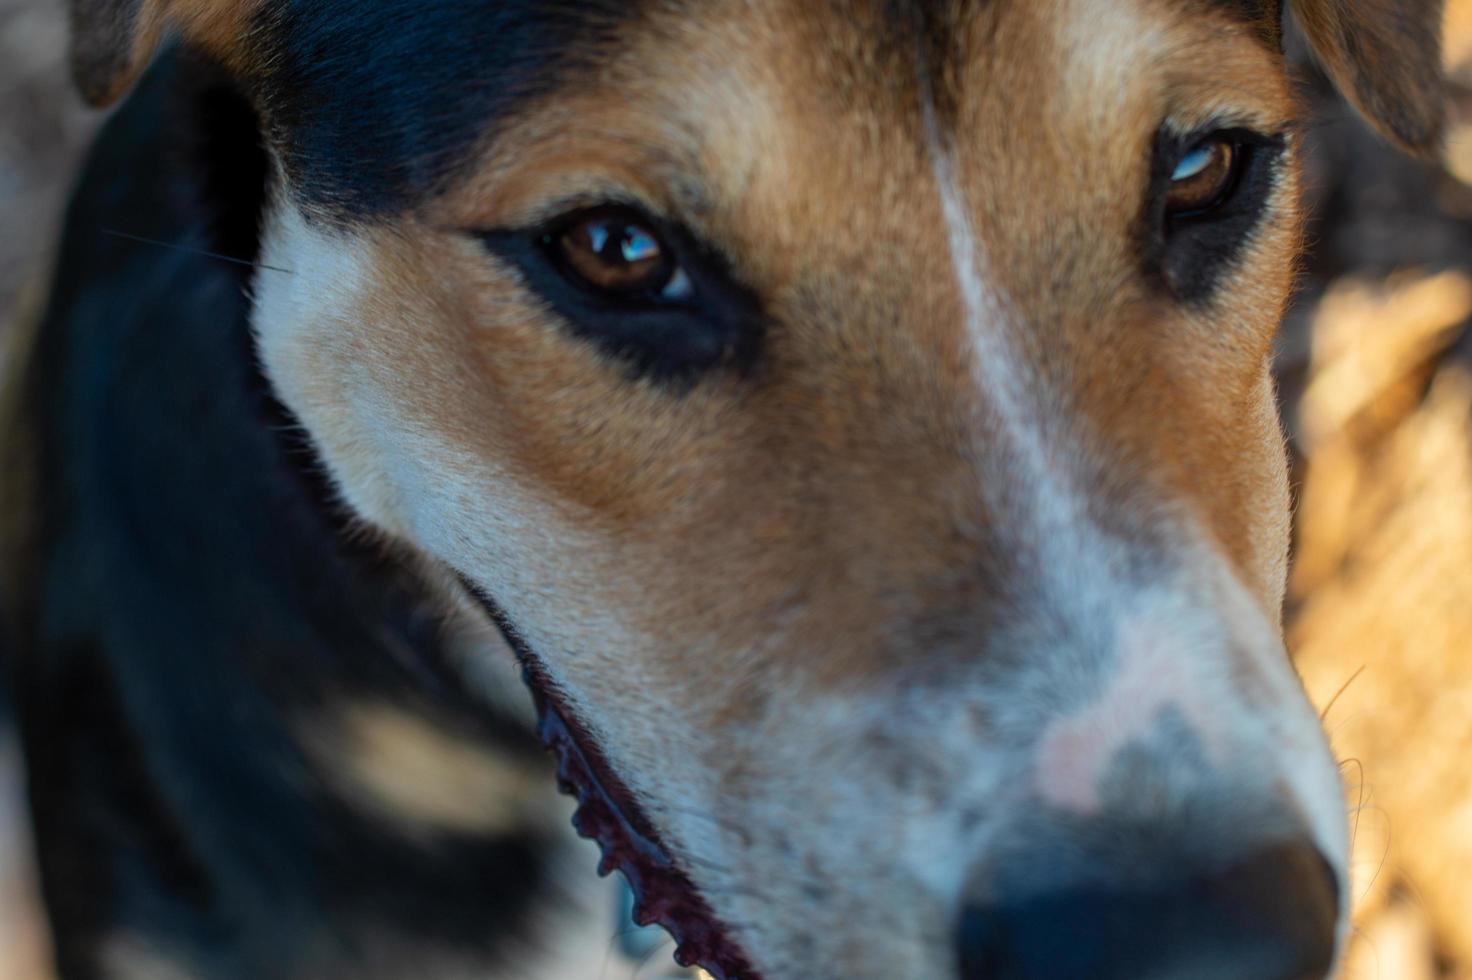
{"type": "Point", "coordinates": [1069, 765]}
{"type": "Point", "coordinates": [1075, 752]}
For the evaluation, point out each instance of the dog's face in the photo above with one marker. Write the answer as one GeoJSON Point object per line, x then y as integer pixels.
{"type": "Point", "coordinates": [861, 410]}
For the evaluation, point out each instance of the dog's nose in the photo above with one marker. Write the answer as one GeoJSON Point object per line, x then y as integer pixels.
{"type": "Point", "coordinates": [1271, 916]}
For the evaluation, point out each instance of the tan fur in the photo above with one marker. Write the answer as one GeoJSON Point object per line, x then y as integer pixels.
{"type": "Point", "coordinates": [780, 600]}
{"type": "Point", "coordinates": [746, 589]}
{"type": "Point", "coordinates": [800, 185]}
{"type": "Point", "coordinates": [114, 40]}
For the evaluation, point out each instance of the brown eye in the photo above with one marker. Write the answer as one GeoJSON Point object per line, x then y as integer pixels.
{"type": "Point", "coordinates": [616, 253]}
{"type": "Point", "coordinates": [1203, 177]}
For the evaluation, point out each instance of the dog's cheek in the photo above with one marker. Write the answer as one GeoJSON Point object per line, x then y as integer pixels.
{"type": "Point", "coordinates": [379, 362]}
{"type": "Point", "coordinates": [308, 301]}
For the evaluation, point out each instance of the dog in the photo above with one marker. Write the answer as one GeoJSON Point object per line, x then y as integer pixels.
{"type": "Point", "coordinates": [855, 415]}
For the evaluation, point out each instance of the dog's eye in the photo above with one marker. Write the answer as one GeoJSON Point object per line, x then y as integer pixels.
{"type": "Point", "coordinates": [1208, 192]}
{"type": "Point", "coordinates": [1203, 177]}
{"type": "Point", "coordinates": [613, 252]}
{"type": "Point", "coordinates": [648, 291]}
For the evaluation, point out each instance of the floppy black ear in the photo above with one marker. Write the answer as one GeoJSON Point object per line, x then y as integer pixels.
{"type": "Point", "coordinates": [1385, 56]}
{"type": "Point", "coordinates": [113, 40]}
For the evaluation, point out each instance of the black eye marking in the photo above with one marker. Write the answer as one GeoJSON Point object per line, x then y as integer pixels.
{"type": "Point", "coordinates": [1207, 195]}
{"type": "Point", "coordinates": [645, 290]}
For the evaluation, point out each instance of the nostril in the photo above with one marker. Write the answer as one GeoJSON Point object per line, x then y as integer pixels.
{"type": "Point", "coordinates": [1271, 916]}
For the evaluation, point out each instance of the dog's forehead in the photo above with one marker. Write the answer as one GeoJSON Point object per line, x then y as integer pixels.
{"type": "Point", "coordinates": [374, 103]}
{"type": "Point", "coordinates": [376, 106]}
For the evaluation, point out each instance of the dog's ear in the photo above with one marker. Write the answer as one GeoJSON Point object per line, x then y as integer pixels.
{"type": "Point", "coordinates": [1385, 56]}
{"type": "Point", "coordinates": [113, 40]}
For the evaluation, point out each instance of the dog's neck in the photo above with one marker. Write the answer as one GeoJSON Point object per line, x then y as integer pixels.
{"type": "Point", "coordinates": [206, 733]}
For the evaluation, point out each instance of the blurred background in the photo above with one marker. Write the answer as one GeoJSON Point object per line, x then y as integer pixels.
{"type": "Point", "coordinates": [1375, 368]}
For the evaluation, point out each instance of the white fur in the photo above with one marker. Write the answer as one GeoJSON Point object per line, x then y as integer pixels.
{"type": "Point", "coordinates": [1005, 382]}
{"type": "Point", "coordinates": [1175, 646]}
{"type": "Point", "coordinates": [847, 794]}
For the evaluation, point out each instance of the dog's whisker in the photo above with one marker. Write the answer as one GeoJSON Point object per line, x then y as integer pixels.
{"type": "Point", "coordinates": [193, 250]}
{"type": "Point", "coordinates": [1359, 799]}
{"type": "Point", "coordinates": [612, 948]}
{"type": "Point", "coordinates": [1384, 854]}
{"type": "Point", "coordinates": [1342, 688]}
{"type": "Point", "coordinates": [665, 946]}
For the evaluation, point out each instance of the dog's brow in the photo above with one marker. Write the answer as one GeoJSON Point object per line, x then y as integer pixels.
{"type": "Point", "coordinates": [361, 136]}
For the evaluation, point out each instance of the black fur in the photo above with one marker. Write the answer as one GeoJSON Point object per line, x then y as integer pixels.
{"type": "Point", "coordinates": [1189, 255]}
{"type": "Point", "coordinates": [721, 323]}
{"type": "Point", "coordinates": [374, 104]}
{"type": "Point", "coordinates": [192, 600]}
